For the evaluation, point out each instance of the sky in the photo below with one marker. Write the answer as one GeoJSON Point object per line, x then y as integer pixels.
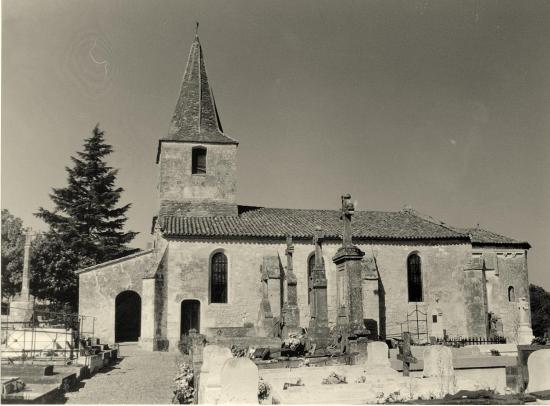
{"type": "Point", "coordinates": [440, 105]}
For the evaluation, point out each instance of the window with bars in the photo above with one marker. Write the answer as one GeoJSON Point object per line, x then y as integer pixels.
{"type": "Point", "coordinates": [414, 277]}
{"type": "Point", "coordinates": [198, 165]}
{"type": "Point", "coordinates": [218, 278]}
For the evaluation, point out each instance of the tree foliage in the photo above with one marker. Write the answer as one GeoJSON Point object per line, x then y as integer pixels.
{"type": "Point", "coordinates": [540, 310]}
{"type": "Point", "coordinates": [13, 243]}
{"type": "Point", "coordinates": [86, 226]}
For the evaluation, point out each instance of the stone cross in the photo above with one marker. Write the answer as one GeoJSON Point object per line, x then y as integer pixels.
{"type": "Point", "coordinates": [523, 306]}
{"type": "Point", "coordinates": [405, 353]}
{"type": "Point", "coordinates": [348, 210]}
{"type": "Point", "coordinates": [25, 291]}
{"type": "Point", "coordinates": [318, 238]}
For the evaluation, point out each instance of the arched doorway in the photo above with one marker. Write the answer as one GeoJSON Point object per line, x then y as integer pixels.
{"type": "Point", "coordinates": [127, 316]}
{"type": "Point", "coordinates": [190, 316]}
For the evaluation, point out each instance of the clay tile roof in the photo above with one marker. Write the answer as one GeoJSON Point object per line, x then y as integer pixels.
{"type": "Point", "coordinates": [195, 117]}
{"type": "Point", "coordinates": [480, 236]}
{"type": "Point", "coordinates": [278, 223]}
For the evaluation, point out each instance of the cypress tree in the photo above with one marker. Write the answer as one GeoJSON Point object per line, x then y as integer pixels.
{"type": "Point", "coordinates": [86, 226]}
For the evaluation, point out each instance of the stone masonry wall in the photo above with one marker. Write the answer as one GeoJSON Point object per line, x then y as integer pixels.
{"type": "Point", "coordinates": [212, 193]}
{"type": "Point", "coordinates": [99, 287]}
{"type": "Point", "coordinates": [188, 269]}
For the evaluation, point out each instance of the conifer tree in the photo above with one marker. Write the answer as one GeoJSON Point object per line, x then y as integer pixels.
{"type": "Point", "coordinates": [86, 226]}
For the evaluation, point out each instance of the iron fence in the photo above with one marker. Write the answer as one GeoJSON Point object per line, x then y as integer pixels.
{"type": "Point", "coordinates": [45, 335]}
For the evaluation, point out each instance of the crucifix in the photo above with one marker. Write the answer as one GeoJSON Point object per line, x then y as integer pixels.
{"type": "Point", "coordinates": [318, 238]}
{"type": "Point", "coordinates": [348, 209]}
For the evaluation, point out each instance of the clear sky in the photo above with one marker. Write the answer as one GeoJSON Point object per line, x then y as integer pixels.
{"type": "Point", "coordinates": [442, 105]}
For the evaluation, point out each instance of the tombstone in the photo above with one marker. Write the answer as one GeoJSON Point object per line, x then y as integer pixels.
{"type": "Point", "coordinates": [239, 382]}
{"type": "Point", "coordinates": [438, 363]}
{"type": "Point", "coordinates": [538, 365]}
{"type": "Point", "coordinates": [318, 323]}
{"type": "Point", "coordinates": [378, 362]}
{"type": "Point", "coordinates": [214, 358]}
{"type": "Point", "coordinates": [265, 323]}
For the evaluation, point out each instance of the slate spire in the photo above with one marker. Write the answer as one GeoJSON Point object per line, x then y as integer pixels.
{"type": "Point", "coordinates": [195, 118]}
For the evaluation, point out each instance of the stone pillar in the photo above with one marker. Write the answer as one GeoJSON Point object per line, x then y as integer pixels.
{"type": "Point", "coordinates": [291, 311]}
{"type": "Point", "coordinates": [21, 308]}
{"type": "Point", "coordinates": [25, 280]}
{"type": "Point", "coordinates": [348, 261]}
{"type": "Point", "coordinates": [318, 325]}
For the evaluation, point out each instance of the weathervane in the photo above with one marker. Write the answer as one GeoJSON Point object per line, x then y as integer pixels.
{"type": "Point", "coordinates": [196, 29]}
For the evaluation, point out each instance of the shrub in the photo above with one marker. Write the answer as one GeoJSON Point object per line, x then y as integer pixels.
{"type": "Point", "coordinates": [263, 389]}
{"type": "Point", "coordinates": [184, 392]}
{"type": "Point", "coordinates": [334, 379]}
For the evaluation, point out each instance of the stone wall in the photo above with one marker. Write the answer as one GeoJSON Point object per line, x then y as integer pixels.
{"type": "Point", "coordinates": [100, 285]}
{"type": "Point", "coordinates": [188, 269]}
{"type": "Point", "coordinates": [183, 193]}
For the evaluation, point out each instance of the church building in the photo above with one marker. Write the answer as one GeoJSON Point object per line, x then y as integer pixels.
{"type": "Point", "coordinates": [223, 268]}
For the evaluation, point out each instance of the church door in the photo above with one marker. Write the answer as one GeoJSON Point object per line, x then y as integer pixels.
{"type": "Point", "coordinates": [190, 316]}
{"type": "Point", "coordinates": [127, 316]}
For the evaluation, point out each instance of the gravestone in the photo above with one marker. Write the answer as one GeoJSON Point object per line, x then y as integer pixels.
{"type": "Point", "coordinates": [214, 358]}
{"type": "Point", "coordinates": [239, 382]}
{"type": "Point", "coordinates": [538, 365]}
{"type": "Point", "coordinates": [378, 362]}
{"type": "Point", "coordinates": [438, 363]}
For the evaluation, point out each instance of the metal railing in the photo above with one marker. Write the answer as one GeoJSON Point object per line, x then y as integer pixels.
{"type": "Point", "coordinates": [46, 335]}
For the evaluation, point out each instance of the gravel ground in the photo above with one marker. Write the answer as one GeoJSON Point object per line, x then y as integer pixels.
{"type": "Point", "coordinates": [141, 377]}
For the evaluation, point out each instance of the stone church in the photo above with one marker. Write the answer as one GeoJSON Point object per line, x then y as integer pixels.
{"type": "Point", "coordinates": [223, 268]}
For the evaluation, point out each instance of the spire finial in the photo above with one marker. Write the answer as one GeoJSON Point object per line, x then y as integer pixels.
{"type": "Point", "coordinates": [196, 30]}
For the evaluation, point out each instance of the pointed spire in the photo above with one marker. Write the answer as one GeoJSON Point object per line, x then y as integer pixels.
{"type": "Point", "coordinates": [195, 118]}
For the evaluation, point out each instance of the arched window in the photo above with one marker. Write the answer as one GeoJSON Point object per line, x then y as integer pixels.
{"type": "Point", "coordinates": [218, 278]}
{"type": "Point", "coordinates": [198, 165]}
{"type": "Point", "coordinates": [414, 277]}
{"type": "Point", "coordinates": [310, 266]}
{"type": "Point", "coordinates": [511, 294]}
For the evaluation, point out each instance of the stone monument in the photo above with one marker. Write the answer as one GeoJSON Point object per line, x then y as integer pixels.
{"type": "Point", "coordinates": [291, 311]}
{"type": "Point", "coordinates": [349, 271]}
{"type": "Point", "coordinates": [264, 327]}
{"type": "Point", "coordinates": [21, 307]}
{"type": "Point", "coordinates": [318, 324]}
{"type": "Point", "coordinates": [525, 333]}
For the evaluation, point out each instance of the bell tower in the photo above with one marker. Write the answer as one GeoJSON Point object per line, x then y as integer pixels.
{"type": "Point", "coordinates": [197, 161]}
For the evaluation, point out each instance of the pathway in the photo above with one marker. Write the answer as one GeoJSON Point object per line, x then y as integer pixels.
{"type": "Point", "coordinates": [140, 377]}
